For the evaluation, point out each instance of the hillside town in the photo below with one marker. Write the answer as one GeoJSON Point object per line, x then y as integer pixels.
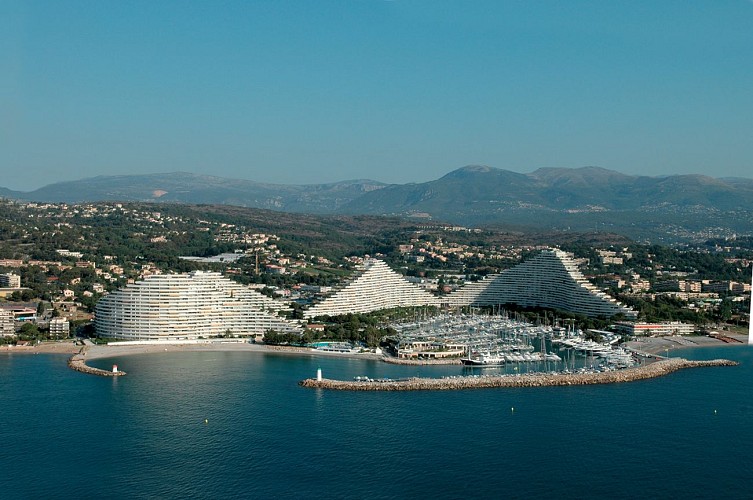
{"type": "Point", "coordinates": [58, 260]}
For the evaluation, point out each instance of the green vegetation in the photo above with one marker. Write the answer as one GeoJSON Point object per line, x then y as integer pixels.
{"type": "Point", "coordinates": [118, 242]}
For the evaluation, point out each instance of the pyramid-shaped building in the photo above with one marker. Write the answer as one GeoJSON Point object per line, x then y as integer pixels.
{"type": "Point", "coordinates": [374, 287]}
{"type": "Point", "coordinates": [551, 280]}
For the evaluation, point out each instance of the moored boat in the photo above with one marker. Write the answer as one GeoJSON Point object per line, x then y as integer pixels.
{"type": "Point", "coordinates": [483, 359]}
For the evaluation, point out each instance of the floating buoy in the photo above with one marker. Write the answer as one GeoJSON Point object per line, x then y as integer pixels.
{"type": "Point", "coordinates": [714, 412]}
{"type": "Point", "coordinates": [206, 420]}
{"type": "Point", "coordinates": [512, 409]}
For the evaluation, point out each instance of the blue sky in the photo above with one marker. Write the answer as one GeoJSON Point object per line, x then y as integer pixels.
{"type": "Point", "coordinates": [396, 91]}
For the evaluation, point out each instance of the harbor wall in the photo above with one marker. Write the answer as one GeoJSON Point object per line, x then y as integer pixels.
{"type": "Point", "coordinates": [653, 370]}
{"type": "Point", "coordinates": [78, 362]}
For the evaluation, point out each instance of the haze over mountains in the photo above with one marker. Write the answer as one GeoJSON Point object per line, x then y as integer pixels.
{"type": "Point", "coordinates": [474, 195]}
{"type": "Point", "coordinates": [184, 187]}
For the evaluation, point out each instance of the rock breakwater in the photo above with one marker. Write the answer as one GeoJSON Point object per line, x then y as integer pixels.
{"type": "Point", "coordinates": [78, 362]}
{"type": "Point", "coordinates": [653, 370]}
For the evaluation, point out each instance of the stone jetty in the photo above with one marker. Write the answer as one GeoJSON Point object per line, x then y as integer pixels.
{"type": "Point", "coordinates": [78, 362]}
{"type": "Point", "coordinates": [651, 370]}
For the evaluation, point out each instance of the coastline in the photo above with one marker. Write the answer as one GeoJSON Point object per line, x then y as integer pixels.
{"type": "Point", "coordinates": [660, 345]}
{"type": "Point", "coordinates": [649, 345]}
{"type": "Point", "coordinates": [110, 351]}
{"type": "Point", "coordinates": [62, 347]}
{"type": "Point", "coordinates": [653, 346]}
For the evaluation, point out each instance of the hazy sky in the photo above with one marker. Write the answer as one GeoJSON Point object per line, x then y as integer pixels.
{"type": "Point", "coordinates": [396, 91]}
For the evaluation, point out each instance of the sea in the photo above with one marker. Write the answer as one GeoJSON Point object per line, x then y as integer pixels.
{"type": "Point", "coordinates": [237, 425]}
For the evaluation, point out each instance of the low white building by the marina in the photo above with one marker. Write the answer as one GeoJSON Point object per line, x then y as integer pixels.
{"type": "Point", "coordinates": [654, 329]}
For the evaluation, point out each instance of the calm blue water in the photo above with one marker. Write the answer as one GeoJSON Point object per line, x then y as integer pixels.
{"type": "Point", "coordinates": [67, 434]}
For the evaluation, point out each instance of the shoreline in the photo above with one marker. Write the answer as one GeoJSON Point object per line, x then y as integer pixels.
{"type": "Point", "coordinates": [110, 351]}
{"type": "Point", "coordinates": [660, 345]}
{"type": "Point", "coordinates": [650, 345]}
{"type": "Point", "coordinates": [653, 346]}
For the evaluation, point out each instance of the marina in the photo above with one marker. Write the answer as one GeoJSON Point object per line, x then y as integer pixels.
{"type": "Point", "coordinates": [496, 340]}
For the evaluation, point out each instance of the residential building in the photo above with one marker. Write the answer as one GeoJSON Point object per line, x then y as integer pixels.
{"type": "Point", "coordinates": [7, 327]}
{"type": "Point", "coordinates": [187, 307]}
{"type": "Point", "coordinates": [10, 280]}
{"type": "Point", "coordinates": [373, 287]}
{"type": "Point", "coordinates": [60, 327]}
{"type": "Point", "coordinates": [677, 286]}
{"type": "Point", "coordinates": [551, 280]}
{"type": "Point", "coordinates": [729, 287]}
{"type": "Point", "coordinates": [653, 329]}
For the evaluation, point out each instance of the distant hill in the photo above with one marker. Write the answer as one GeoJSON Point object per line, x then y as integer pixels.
{"type": "Point", "coordinates": [7, 193]}
{"type": "Point", "coordinates": [190, 188]}
{"type": "Point", "coordinates": [676, 207]}
{"type": "Point", "coordinates": [679, 207]}
{"type": "Point", "coordinates": [479, 192]}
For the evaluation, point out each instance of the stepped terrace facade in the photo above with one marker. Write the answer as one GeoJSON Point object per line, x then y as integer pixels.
{"type": "Point", "coordinates": [374, 287]}
{"type": "Point", "coordinates": [187, 307]}
{"type": "Point", "coordinates": [551, 280]}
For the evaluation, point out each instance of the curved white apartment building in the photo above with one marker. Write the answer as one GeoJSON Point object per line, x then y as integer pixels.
{"type": "Point", "coordinates": [551, 280]}
{"type": "Point", "coordinates": [186, 307]}
{"type": "Point", "coordinates": [374, 287]}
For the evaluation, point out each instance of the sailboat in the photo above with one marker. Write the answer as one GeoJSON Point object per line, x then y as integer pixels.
{"type": "Point", "coordinates": [547, 356]}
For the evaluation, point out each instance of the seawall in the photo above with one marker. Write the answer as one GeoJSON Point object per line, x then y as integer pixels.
{"type": "Point", "coordinates": [652, 370]}
{"type": "Point", "coordinates": [78, 362]}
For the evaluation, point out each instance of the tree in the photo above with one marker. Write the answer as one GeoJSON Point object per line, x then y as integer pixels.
{"type": "Point", "coordinates": [725, 310]}
{"type": "Point", "coordinates": [29, 331]}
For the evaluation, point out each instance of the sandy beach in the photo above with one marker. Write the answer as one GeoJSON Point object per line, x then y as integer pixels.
{"type": "Point", "coordinates": [670, 344]}
{"type": "Point", "coordinates": [109, 351]}
{"type": "Point", "coordinates": [64, 347]}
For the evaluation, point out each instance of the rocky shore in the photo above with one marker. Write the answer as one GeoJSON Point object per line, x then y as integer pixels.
{"type": "Point", "coordinates": [652, 370]}
{"type": "Point", "coordinates": [78, 362]}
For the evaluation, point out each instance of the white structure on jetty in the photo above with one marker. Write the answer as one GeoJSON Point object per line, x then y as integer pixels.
{"type": "Point", "coordinates": [374, 287]}
{"type": "Point", "coordinates": [551, 279]}
{"type": "Point", "coordinates": [187, 307]}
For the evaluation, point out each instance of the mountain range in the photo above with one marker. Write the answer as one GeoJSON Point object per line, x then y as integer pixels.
{"type": "Point", "coordinates": [561, 198]}
{"type": "Point", "coordinates": [184, 187]}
